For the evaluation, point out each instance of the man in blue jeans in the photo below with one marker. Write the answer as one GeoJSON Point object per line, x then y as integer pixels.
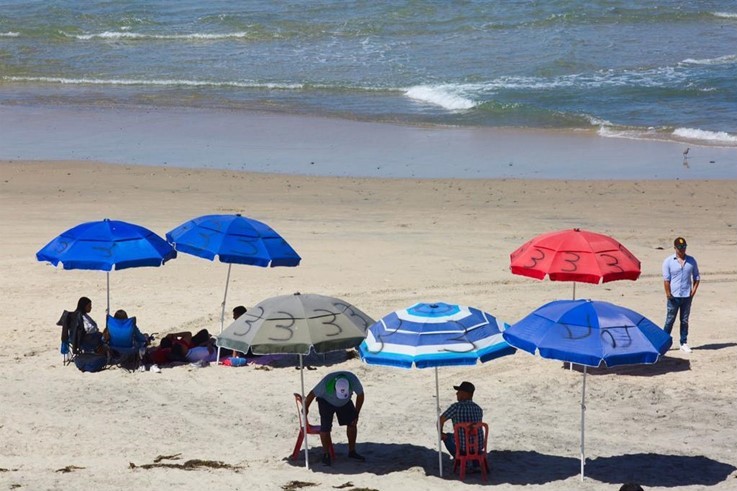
{"type": "Point", "coordinates": [681, 280]}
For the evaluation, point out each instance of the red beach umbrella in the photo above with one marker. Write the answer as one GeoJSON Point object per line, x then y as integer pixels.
{"type": "Point", "coordinates": [575, 255]}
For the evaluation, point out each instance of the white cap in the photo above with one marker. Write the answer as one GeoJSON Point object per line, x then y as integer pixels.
{"type": "Point", "coordinates": [342, 388]}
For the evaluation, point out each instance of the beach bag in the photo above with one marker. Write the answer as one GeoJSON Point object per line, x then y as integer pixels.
{"type": "Point", "coordinates": [90, 362]}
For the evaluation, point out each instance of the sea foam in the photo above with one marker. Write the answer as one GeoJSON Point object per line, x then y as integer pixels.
{"type": "Point", "coordinates": [154, 82]}
{"type": "Point", "coordinates": [440, 95]}
{"type": "Point", "coordinates": [704, 135]}
{"type": "Point", "coordinates": [721, 60]}
{"type": "Point", "coordinates": [138, 35]}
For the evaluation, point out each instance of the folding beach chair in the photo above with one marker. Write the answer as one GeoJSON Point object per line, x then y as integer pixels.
{"type": "Point", "coordinates": [74, 340]}
{"type": "Point", "coordinates": [125, 342]}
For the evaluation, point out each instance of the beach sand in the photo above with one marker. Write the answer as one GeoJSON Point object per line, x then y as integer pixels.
{"type": "Point", "coordinates": [381, 245]}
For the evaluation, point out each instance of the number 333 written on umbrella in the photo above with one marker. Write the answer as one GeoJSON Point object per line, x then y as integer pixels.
{"type": "Point", "coordinates": [575, 255]}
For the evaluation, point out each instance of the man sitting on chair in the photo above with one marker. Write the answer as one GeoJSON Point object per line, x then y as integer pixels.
{"type": "Point", "coordinates": [463, 411]}
{"type": "Point", "coordinates": [333, 395]}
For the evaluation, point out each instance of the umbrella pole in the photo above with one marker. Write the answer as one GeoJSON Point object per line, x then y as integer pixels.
{"type": "Point", "coordinates": [222, 312]}
{"type": "Point", "coordinates": [570, 364]}
{"type": "Point", "coordinates": [107, 310]}
{"type": "Point", "coordinates": [440, 430]}
{"type": "Point", "coordinates": [583, 411]}
{"type": "Point", "coordinates": [304, 414]}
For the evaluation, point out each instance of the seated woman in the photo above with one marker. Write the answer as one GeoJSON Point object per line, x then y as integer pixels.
{"type": "Point", "coordinates": [83, 329]}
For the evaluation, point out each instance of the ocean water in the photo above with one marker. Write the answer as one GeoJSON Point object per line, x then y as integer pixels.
{"type": "Point", "coordinates": [624, 68]}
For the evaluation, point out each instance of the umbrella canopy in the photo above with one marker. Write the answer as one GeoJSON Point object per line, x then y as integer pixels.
{"type": "Point", "coordinates": [295, 324]}
{"type": "Point", "coordinates": [435, 335]}
{"type": "Point", "coordinates": [234, 239]}
{"type": "Point", "coordinates": [575, 255]}
{"type": "Point", "coordinates": [106, 245]}
{"type": "Point", "coordinates": [589, 333]}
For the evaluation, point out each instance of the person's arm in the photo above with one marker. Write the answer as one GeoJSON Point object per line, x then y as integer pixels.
{"type": "Point", "coordinates": [666, 284]}
{"type": "Point", "coordinates": [308, 400]}
{"type": "Point", "coordinates": [696, 278]}
{"type": "Point", "coordinates": [359, 404]}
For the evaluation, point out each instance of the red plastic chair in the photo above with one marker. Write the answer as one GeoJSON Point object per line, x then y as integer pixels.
{"type": "Point", "coordinates": [311, 430]}
{"type": "Point", "coordinates": [475, 452]}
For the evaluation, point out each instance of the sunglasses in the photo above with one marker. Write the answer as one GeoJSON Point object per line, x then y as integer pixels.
{"type": "Point", "coordinates": [681, 247]}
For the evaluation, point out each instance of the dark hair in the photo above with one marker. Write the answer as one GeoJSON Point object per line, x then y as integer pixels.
{"type": "Point", "coordinates": [630, 486]}
{"type": "Point", "coordinates": [121, 314]}
{"type": "Point", "coordinates": [202, 337]}
{"type": "Point", "coordinates": [239, 311]}
{"type": "Point", "coordinates": [82, 304]}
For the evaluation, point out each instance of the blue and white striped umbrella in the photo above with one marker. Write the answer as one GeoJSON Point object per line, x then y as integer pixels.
{"type": "Point", "coordinates": [435, 335]}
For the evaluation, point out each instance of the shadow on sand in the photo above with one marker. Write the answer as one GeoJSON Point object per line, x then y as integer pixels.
{"type": "Point", "coordinates": [649, 469]}
{"type": "Point", "coordinates": [665, 365]}
{"type": "Point", "coordinates": [506, 466]}
{"type": "Point", "coordinates": [714, 346]}
{"type": "Point", "coordinates": [311, 360]}
{"type": "Point", "coordinates": [521, 468]}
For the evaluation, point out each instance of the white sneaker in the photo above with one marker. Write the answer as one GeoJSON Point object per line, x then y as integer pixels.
{"type": "Point", "coordinates": [155, 369]}
{"type": "Point", "coordinates": [685, 348]}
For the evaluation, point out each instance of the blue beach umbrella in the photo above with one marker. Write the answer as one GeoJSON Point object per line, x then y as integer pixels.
{"type": "Point", "coordinates": [106, 245]}
{"type": "Point", "coordinates": [589, 333]}
{"type": "Point", "coordinates": [435, 335]}
{"type": "Point", "coordinates": [234, 239]}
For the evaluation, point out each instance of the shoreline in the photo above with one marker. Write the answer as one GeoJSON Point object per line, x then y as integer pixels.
{"type": "Point", "coordinates": [316, 145]}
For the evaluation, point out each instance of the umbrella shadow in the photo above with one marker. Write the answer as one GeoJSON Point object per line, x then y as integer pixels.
{"type": "Point", "coordinates": [659, 470]}
{"type": "Point", "coordinates": [665, 365]}
{"type": "Point", "coordinates": [308, 361]}
{"type": "Point", "coordinates": [714, 346]}
{"type": "Point", "coordinates": [522, 467]}
{"type": "Point", "coordinates": [381, 458]}
{"type": "Point", "coordinates": [505, 466]}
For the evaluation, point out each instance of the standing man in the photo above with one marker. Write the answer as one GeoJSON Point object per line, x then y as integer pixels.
{"type": "Point", "coordinates": [333, 395]}
{"type": "Point", "coordinates": [463, 411]}
{"type": "Point", "coordinates": [681, 279]}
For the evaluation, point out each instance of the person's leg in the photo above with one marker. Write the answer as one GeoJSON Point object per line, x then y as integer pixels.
{"type": "Point", "coordinates": [327, 411]}
{"type": "Point", "coordinates": [670, 316]}
{"type": "Point", "coordinates": [450, 443]}
{"type": "Point", "coordinates": [347, 417]}
{"type": "Point", "coordinates": [352, 433]}
{"type": "Point", "coordinates": [685, 312]}
{"type": "Point", "coordinates": [326, 439]}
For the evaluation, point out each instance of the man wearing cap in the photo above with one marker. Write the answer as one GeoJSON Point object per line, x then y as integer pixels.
{"type": "Point", "coordinates": [333, 395]}
{"type": "Point", "coordinates": [463, 411]}
{"type": "Point", "coordinates": [681, 279]}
